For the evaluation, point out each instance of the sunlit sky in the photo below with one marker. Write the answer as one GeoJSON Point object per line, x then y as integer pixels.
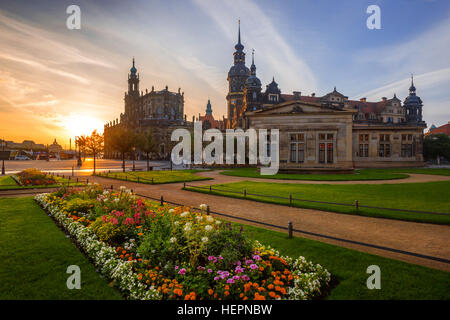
{"type": "Point", "coordinates": [58, 83]}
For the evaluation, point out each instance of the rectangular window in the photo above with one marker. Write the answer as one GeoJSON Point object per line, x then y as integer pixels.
{"type": "Point", "coordinates": [329, 153]}
{"type": "Point", "coordinates": [321, 152]}
{"type": "Point", "coordinates": [293, 152]}
{"type": "Point", "coordinates": [404, 150]}
{"type": "Point", "coordinates": [301, 152]}
{"type": "Point", "coordinates": [363, 150]}
{"type": "Point", "coordinates": [381, 153]}
{"type": "Point", "coordinates": [410, 150]}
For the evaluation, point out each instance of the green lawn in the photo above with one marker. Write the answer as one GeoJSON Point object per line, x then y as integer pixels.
{"type": "Point", "coordinates": [35, 254]}
{"type": "Point", "coordinates": [399, 280]}
{"type": "Point", "coordinates": [430, 196]}
{"type": "Point", "coordinates": [7, 182]}
{"type": "Point", "coordinates": [358, 175]}
{"type": "Point", "coordinates": [158, 176]}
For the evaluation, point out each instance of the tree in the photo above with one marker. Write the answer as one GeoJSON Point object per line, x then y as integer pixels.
{"type": "Point", "coordinates": [123, 140]}
{"type": "Point", "coordinates": [146, 142]}
{"type": "Point", "coordinates": [436, 145]}
{"type": "Point", "coordinates": [80, 142]}
{"type": "Point", "coordinates": [94, 144]}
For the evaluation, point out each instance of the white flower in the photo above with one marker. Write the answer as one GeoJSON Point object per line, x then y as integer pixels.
{"type": "Point", "coordinates": [176, 223]}
{"type": "Point", "coordinates": [122, 188]}
{"type": "Point", "coordinates": [173, 240]}
{"type": "Point", "coordinates": [171, 211]}
{"type": "Point", "coordinates": [199, 218]}
{"type": "Point", "coordinates": [203, 206]}
{"type": "Point", "coordinates": [208, 228]}
{"type": "Point", "coordinates": [184, 214]}
{"type": "Point", "coordinates": [210, 219]}
{"type": "Point", "coordinates": [218, 222]}
{"type": "Point", "coordinates": [187, 228]}
{"type": "Point", "coordinates": [116, 200]}
{"type": "Point", "coordinates": [205, 239]}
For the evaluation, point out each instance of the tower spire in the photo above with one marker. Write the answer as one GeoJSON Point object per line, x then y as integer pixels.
{"type": "Point", "coordinates": [239, 31]}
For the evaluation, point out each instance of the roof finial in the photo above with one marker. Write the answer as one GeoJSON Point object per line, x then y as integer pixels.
{"type": "Point", "coordinates": [253, 56]}
{"type": "Point", "coordinates": [239, 31]}
{"type": "Point", "coordinates": [133, 61]}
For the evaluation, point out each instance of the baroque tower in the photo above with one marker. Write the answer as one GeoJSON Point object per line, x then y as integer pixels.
{"type": "Point", "coordinates": [413, 105]}
{"type": "Point", "coordinates": [252, 89]}
{"type": "Point", "coordinates": [237, 76]}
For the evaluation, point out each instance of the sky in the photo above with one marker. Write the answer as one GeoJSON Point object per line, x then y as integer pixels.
{"type": "Point", "coordinates": [59, 83]}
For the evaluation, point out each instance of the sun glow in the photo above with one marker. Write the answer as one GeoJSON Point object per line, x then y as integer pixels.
{"type": "Point", "coordinates": [81, 124]}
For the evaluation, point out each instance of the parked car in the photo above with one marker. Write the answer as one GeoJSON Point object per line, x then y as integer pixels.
{"type": "Point", "coordinates": [21, 157]}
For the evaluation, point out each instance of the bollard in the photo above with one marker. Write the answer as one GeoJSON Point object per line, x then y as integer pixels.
{"type": "Point", "coordinates": [208, 211]}
{"type": "Point", "coordinates": [290, 199]}
{"type": "Point", "coordinates": [210, 188]}
{"type": "Point", "coordinates": [131, 190]}
{"type": "Point", "coordinates": [356, 205]}
{"type": "Point", "coordinates": [72, 171]}
{"type": "Point", "coordinates": [77, 179]}
{"type": "Point", "coordinates": [245, 192]}
{"type": "Point", "coordinates": [162, 200]}
{"type": "Point", "coordinates": [184, 185]}
{"type": "Point", "coordinates": [87, 181]}
{"type": "Point", "coordinates": [126, 178]}
{"type": "Point", "coordinates": [290, 228]}
{"type": "Point", "coordinates": [152, 180]}
{"type": "Point", "coordinates": [138, 179]}
{"type": "Point", "coordinates": [112, 187]}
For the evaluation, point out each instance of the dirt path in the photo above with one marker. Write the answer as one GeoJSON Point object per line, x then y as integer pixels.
{"type": "Point", "coordinates": [419, 238]}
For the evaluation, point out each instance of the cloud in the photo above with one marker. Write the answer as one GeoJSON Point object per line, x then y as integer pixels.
{"type": "Point", "coordinates": [273, 54]}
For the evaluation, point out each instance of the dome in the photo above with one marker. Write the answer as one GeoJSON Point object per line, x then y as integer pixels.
{"type": "Point", "coordinates": [273, 87]}
{"type": "Point", "coordinates": [239, 70]}
{"type": "Point", "coordinates": [253, 81]}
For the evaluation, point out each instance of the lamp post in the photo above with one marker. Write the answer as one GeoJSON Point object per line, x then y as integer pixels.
{"type": "Point", "coordinates": [3, 160]}
{"type": "Point", "coordinates": [134, 149]}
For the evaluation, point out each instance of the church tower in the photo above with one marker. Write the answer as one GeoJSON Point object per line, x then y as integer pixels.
{"type": "Point", "coordinates": [237, 76]}
{"type": "Point", "coordinates": [132, 96]}
{"type": "Point", "coordinates": [413, 105]}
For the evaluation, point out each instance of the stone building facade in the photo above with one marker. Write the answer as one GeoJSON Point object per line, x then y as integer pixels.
{"type": "Point", "coordinates": [159, 111]}
{"type": "Point", "coordinates": [327, 132]}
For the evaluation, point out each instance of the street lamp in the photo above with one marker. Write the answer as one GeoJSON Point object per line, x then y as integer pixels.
{"type": "Point", "coordinates": [134, 149]}
{"type": "Point", "coordinates": [3, 160]}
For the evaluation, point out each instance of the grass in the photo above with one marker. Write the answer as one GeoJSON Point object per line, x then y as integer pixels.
{"type": "Point", "coordinates": [8, 183]}
{"type": "Point", "coordinates": [430, 196]}
{"type": "Point", "coordinates": [156, 177]}
{"type": "Point", "coordinates": [35, 254]}
{"type": "Point", "coordinates": [358, 175]}
{"type": "Point", "coordinates": [399, 280]}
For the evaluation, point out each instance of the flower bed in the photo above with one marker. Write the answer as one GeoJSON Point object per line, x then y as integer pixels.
{"type": "Point", "coordinates": [163, 252]}
{"type": "Point", "coordinates": [34, 177]}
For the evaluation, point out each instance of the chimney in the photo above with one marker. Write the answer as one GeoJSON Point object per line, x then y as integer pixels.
{"type": "Point", "coordinates": [384, 98]}
{"type": "Point", "coordinates": [363, 99]}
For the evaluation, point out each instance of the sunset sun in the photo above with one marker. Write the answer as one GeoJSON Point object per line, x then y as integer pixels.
{"type": "Point", "coordinates": [82, 124]}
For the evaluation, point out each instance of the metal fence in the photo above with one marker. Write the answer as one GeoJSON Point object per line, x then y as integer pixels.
{"type": "Point", "coordinates": [356, 205]}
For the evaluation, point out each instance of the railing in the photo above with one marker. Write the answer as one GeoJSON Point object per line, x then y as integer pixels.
{"type": "Point", "coordinates": [356, 205]}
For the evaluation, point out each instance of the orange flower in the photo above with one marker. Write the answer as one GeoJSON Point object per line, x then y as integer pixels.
{"type": "Point", "coordinates": [210, 291]}
{"type": "Point", "coordinates": [140, 234]}
{"type": "Point", "coordinates": [270, 286]}
{"type": "Point", "coordinates": [226, 293]}
{"type": "Point", "coordinates": [140, 276]}
{"type": "Point", "coordinates": [272, 294]}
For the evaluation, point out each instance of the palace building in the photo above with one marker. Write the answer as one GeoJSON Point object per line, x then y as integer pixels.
{"type": "Point", "coordinates": [328, 132]}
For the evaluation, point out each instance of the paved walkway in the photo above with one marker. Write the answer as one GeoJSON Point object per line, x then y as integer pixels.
{"type": "Point", "coordinates": [420, 238]}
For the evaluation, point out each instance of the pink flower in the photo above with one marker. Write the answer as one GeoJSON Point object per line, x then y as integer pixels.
{"type": "Point", "coordinates": [230, 280]}
{"type": "Point", "coordinates": [182, 271]}
{"type": "Point", "coordinates": [253, 266]}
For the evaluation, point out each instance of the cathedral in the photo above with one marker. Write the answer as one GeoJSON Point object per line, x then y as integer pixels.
{"type": "Point", "coordinates": [329, 132]}
{"type": "Point", "coordinates": [159, 111]}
